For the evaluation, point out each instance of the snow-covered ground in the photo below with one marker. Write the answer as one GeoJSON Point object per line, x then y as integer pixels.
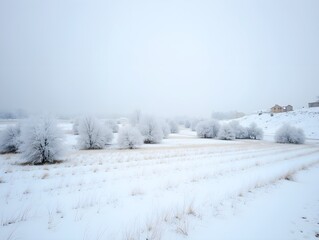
{"type": "Point", "coordinates": [183, 188]}
{"type": "Point", "coordinates": [306, 118]}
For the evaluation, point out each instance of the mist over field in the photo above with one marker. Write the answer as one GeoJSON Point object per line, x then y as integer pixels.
{"type": "Point", "coordinates": [163, 57]}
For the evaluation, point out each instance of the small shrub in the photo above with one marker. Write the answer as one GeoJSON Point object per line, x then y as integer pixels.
{"type": "Point", "coordinates": [173, 126]}
{"type": "Point", "coordinates": [226, 132]}
{"type": "Point", "coordinates": [194, 124]}
{"type": "Point", "coordinates": [240, 131]}
{"type": "Point", "coordinates": [187, 124]}
{"type": "Point", "coordinates": [93, 135]}
{"type": "Point", "coordinates": [290, 134]}
{"type": "Point", "coordinates": [129, 138]}
{"type": "Point", "coordinates": [207, 129]}
{"type": "Point", "coordinates": [165, 129]}
{"type": "Point", "coordinates": [10, 139]}
{"type": "Point", "coordinates": [41, 141]}
{"type": "Point", "coordinates": [255, 132]}
{"type": "Point", "coordinates": [151, 130]}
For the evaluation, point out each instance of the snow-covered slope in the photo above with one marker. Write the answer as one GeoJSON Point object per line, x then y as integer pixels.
{"type": "Point", "coordinates": [307, 119]}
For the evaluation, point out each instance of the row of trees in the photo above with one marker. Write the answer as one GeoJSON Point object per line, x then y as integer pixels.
{"type": "Point", "coordinates": [40, 140]}
{"type": "Point", "coordinates": [94, 135]}
{"type": "Point", "coordinates": [228, 131]}
{"type": "Point", "coordinates": [233, 130]}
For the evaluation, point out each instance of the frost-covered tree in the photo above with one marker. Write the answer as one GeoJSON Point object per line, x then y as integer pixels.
{"type": "Point", "coordinates": [136, 117]}
{"type": "Point", "coordinates": [173, 126]}
{"type": "Point", "coordinates": [41, 141]}
{"type": "Point", "coordinates": [207, 129]}
{"type": "Point", "coordinates": [129, 138]}
{"type": "Point", "coordinates": [194, 124]}
{"type": "Point", "coordinates": [110, 123]}
{"type": "Point", "coordinates": [165, 129]}
{"type": "Point", "coordinates": [151, 130]}
{"type": "Point", "coordinates": [255, 132]}
{"type": "Point", "coordinates": [240, 131]}
{"type": "Point", "coordinates": [226, 132]}
{"type": "Point", "coordinates": [289, 134]}
{"type": "Point", "coordinates": [93, 135]}
{"type": "Point", "coordinates": [10, 139]}
{"type": "Point", "coordinates": [75, 127]}
{"type": "Point", "coordinates": [187, 124]}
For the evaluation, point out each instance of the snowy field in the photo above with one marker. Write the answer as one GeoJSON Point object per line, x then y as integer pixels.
{"type": "Point", "coordinates": [306, 118]}
{"type": "Point", "coordinates": [183, 188]}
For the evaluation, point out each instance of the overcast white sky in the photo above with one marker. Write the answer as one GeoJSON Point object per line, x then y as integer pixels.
{"type": "Point", "coordinates": [166, 57]}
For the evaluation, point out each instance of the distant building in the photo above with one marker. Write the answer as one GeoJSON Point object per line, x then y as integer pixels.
{"type": "Point", "coordinates": [313, 104]}
{"type": "Point", "coordinates": [279, 109]}
{"type": "Point", "coordinates": [288, 108]}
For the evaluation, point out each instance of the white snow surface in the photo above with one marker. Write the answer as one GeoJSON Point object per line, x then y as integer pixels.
{"type": "Point", "coordinates": [306, 118]}
{"type": "Point", "coordinates": [183, 188]}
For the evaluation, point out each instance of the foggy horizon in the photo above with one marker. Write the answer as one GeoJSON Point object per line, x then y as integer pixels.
{"type": "Point", "coordinates": [168, 58]}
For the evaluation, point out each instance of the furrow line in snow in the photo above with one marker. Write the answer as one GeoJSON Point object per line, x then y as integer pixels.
{"type": "Point", "coordinates": [178, 211]}
{"type": "Point", "coordinates": [188, 176]}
